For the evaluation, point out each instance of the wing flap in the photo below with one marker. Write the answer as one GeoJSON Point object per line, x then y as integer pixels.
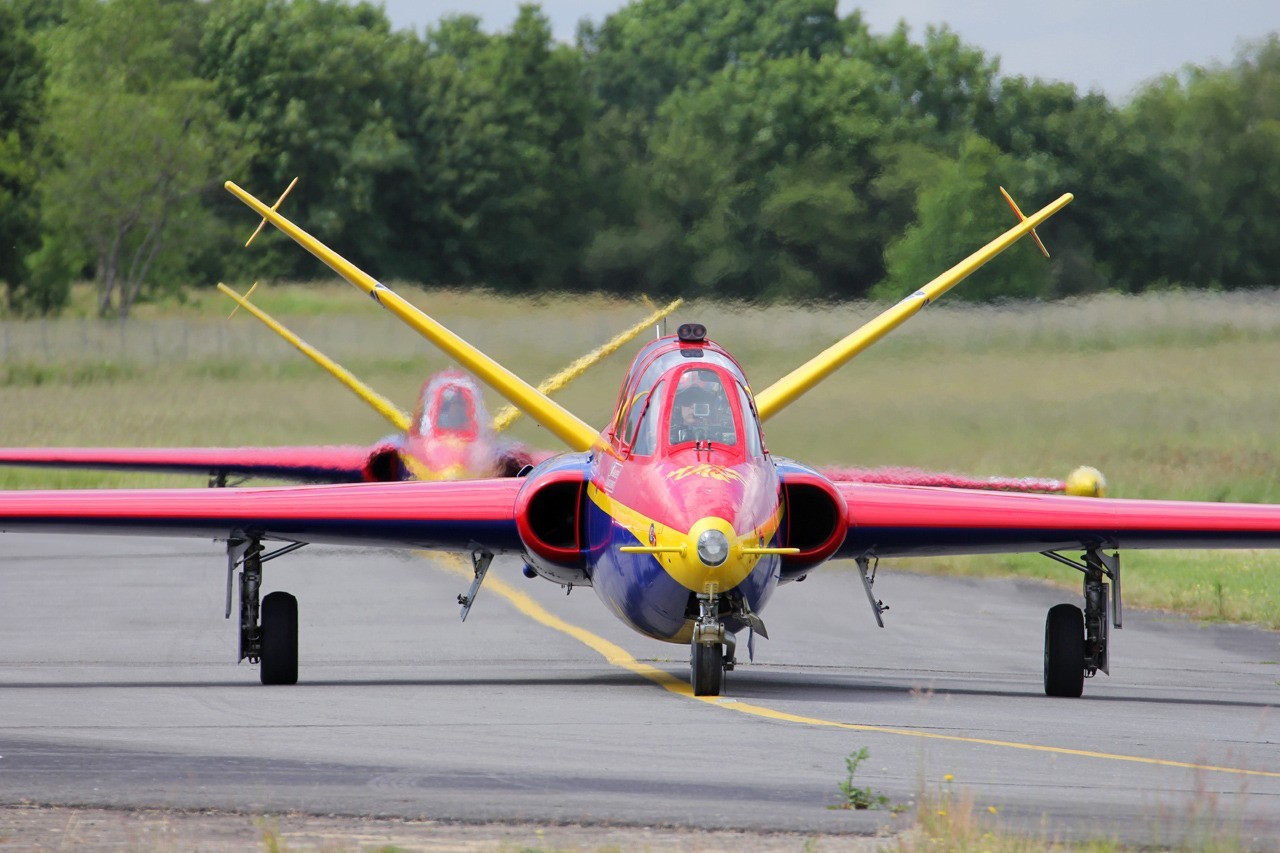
{"type": "Point", "coordinates": [921, 521]}
{"type": "Point", "coordinates": [448, 516]}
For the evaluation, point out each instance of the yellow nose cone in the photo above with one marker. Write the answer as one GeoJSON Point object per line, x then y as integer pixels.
{"type": "Point", "coordinates": [1086, 482]}
{"type": "Point", "coordinates": [712, 561]}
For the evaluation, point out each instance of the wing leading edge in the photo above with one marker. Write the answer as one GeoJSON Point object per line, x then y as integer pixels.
{"type": "Point", "coordinates": [893, 521]}
{"type": "Point", "coordinates": [446, 516]}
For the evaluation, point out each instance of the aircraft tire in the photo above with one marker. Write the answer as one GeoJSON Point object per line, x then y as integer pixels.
{"type": "Point", "coordinates": [707, 666]}
{"type": "Point", "coordinates": [1064, 651]}
{"type": "Point", "coordinates": [279, 639]}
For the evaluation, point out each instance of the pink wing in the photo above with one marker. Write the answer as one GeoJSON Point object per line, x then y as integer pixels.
{"type": "Point", "coordinates": [438, 515]}
{"type": "Point", "coordinates": [344, 463]}
{"type": "Point", "coordinates": [900, 476]}
{"type": "Point", "coordinates": [907, 521]}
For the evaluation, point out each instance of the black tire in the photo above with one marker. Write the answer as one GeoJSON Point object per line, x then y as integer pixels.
{"type": "Point", "coordinates": [1064, 651]}
{"type": "Point", "coordinates": [707, 666]}
{"type": "Point", "coordinates": [279, 639]}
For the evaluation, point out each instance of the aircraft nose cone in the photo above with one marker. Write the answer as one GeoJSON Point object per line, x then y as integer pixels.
{"type": "Point", "coordinates": [712, 563]}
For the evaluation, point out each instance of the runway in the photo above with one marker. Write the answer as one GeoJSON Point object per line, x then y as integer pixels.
{"type": "Point", "coordinates": [118, 687]}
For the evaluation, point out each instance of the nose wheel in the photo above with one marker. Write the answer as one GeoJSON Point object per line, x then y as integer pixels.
{"type": "Point", "coordinates": [706, 663]}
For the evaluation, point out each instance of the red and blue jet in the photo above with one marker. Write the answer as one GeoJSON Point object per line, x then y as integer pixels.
{"type": "Point", "coordinates": [675, 513]}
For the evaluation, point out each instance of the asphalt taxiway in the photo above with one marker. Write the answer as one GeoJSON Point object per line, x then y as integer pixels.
{"type": "Point", "coordinates": [118, 688]}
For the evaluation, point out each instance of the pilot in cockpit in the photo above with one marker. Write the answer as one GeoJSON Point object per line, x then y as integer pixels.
{"type": "Point", "coordinates": [700, 411]}
{"type": "Point", "coordinates": [453, 411]}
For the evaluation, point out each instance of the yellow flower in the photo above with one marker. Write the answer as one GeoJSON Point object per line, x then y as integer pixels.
{"type": "Point", "coordinates": [948, 778]}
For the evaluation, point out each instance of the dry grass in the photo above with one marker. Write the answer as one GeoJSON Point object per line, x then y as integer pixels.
{"type": "Point", "coordinates": [1169, 395]}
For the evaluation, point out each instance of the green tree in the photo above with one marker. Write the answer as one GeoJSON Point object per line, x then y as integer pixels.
{"type": "Point", "coordinates": [1218, 131]}
{"type": "Point", "coordinates": [958, 212]}
{"type": "Point", "coordinates": [139, 142]}
{"type": "Point", "coordinates": [762, 182]}
{"type": "Point", "coordinates": [22, 103]}
{"type": "Point", "coordinates": [943, 81]}
{"type": "Point", "coordinates": [497, 134]}
{"type": "Point", "coordinates": [648, 49]}
{"type": "Point", "coordinates": [315, 89]}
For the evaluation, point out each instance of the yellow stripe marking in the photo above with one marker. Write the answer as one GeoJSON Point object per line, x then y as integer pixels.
{"type": "Point", "coordinates": [617, 656]}
{"type": "Point", "coordinates": [613, 654]}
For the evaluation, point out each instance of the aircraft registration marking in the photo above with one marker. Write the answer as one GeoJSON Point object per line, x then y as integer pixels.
{"type": "Point", "coordinates": [617, 656]}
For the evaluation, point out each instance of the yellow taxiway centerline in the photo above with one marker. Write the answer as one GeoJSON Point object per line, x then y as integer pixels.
{"type": "Point", "coordinates": [615, 655]}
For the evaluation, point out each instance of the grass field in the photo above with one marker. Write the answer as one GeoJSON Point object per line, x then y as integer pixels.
{"type": "Point", "coordinates": [1168, 394]}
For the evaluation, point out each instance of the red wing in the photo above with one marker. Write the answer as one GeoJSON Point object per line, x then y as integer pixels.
{"type": "Point", "coordinates": [896, 476]}
{"type": "Point", "coordinates": [440, 515]}
{"type": "Point", "coordinates": [908, 521]}
{"type": "Point", "coordinates": [321, 464]}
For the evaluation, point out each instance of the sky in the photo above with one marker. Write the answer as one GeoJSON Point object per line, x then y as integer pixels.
{"type": "Point", "coordinates": [1111, 45]}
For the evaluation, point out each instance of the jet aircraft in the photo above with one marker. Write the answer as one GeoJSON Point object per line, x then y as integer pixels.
{"type": "Point", "coordinates": [464, 445]}
{"type": "Point", "coordinates": [448, 436]}
{"type": "Point", "coordinates": [675, 513]}
{"type": "Point", "coordinates": [447, 454]}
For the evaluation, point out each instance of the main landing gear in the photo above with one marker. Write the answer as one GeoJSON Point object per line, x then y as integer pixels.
{"type": "Point", "coordinates": [1075, 641]}
{"type": "Point", "coordinates": [268, 628]}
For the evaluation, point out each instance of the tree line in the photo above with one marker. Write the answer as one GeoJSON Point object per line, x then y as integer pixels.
{"type": "Point", "coordinates": [740, 149]}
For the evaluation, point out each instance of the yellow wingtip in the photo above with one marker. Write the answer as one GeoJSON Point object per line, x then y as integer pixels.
{"type": "Point", "coordinates": [1086, 481]}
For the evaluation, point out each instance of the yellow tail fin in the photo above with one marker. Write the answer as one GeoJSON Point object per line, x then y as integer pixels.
{"type": "Point", "coordinates": [380, 404]}
{"type": "Point", "coordinates": [508, 415]}
{"type": "Point", "coordinates": [788, 389]}
{"type": "Point", "coordinates": [569, 428]}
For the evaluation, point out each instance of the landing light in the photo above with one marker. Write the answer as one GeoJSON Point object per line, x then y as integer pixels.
{"type": "Point", "coordinates": [692, 333]}
{"type": "Point", "coordinates": [713, 547]}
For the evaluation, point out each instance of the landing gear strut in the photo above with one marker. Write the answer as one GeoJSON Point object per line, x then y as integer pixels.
{"type": "Point", "coordinates": [268, 628]}
{"type": "Point", "coordinates": [1075, 641]}
{"type": "Point", "coordinates": [706, 655]}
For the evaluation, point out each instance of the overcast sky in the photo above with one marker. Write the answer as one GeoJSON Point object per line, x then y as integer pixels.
{"type": "Point", "coordinates": [1112, 45]}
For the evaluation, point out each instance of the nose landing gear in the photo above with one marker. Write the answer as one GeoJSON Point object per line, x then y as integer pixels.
{"type": "Point", "coordinates": [706, 654]}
